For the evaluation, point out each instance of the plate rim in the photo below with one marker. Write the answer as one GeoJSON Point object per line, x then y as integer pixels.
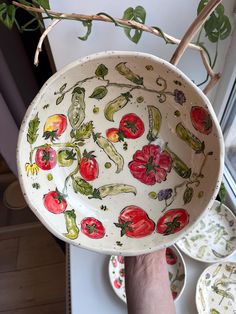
{"type": "Point", "coordinates": [97, 56]}
{"type": "Point", "coordinates": [204, 271]}
{"type": "Point", "coordinates": [210, 261]}
{"type": "Point", "coordinates": [184, 267]}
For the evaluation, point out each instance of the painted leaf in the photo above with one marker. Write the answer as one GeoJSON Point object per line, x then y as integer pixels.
{"type": "Point", "coordinates": [59, 99]}
{"type": "Point", "coordinates": [181, 277]}
{"type": "Point", "coordinates": [88, 25]}
{"type": "Point", "coordinates": [84, 132]}
{"type": "Point", "coordinates": [188, 194]}
{"type": "Point", "coordinates": [222, 193]}
{"type": "Point", "coordinates": [62, 88]}
{"type": "Point", "coordinates": [101, 70]}
{"type": "Point", "coordinates": [99, 92]}
{"type": "Point", "coordinates": [197, 237]}
{"type": "Point", "coordinates": [170, 275]}
{"type": "Point", "coordinates": [81, 186]}
{"type": "Point", "coordinates": [32, 134]}
{"type": "Point", "coordinates": [138, 15]}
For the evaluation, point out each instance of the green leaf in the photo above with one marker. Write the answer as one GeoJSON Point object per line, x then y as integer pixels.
{"type": "Point", "coordinates": [138, 15]}
{"type": "Point", "coordinates": [84, 132]}
{"type": "Point", "coordinates": [101, 70]}
{"type": "Point", "coordinates": [43, 3]}
{"type": "Point", "coordinates": [81, 186]}
{"type": "Point", "coordinates": [7, 14]}
{"type": "Point", "coordinates": [99, 92]}
{"type": "Point", "coordinates": [88, 25]}
{"type": "Point", "coordinates": [225, 29]}
{"type": "Point", "coordinates": [188, 194]}
{"type": "Point", "coordinates": [222, 193]}
{"type": "Point", "coordinates": [59, 99]}
{"type": "Point", "coordinates": [32, 134]}
{"type": "Point", "coordinates": [62, 88]}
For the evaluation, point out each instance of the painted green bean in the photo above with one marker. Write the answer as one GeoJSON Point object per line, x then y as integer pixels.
{"type": "Point", "coordinates": [76, 111]}
{"type": "Point", "coordinates": [114, 189]}
{"type": "Point", "coordinates": [115, 105]}
{"type": "Point", "coordinates": [178, 165]}
{"type": "Point", "coordinates": [71, 227]}
{"type": "Point", "coordinates": [189, 138]}
{"type": "Point", "coordinates": [154, 116]}
{"type": "Point", "coordinates": [129, 74]}
{"type": "Point", "coordinates": [110, 150]}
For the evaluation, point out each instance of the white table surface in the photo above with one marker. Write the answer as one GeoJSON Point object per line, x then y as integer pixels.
{"type": "Point", "coordinates": [91, 291]}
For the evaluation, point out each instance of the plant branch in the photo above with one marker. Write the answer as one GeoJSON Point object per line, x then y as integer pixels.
{"type": "Point", "coordinates": [44, 34]}
{"type": "Point", "coordinates": [182, 44]}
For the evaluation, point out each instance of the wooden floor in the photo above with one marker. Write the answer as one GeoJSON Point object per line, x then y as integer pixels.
{"type": "Point", "coordinates": [32, 273]}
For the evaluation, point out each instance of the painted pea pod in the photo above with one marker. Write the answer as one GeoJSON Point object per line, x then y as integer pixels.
{"type": "Point", "coordinates": [76, 111]}
{"type": "Point", "coordinates": [178, 165]}
{"type": "Point", "coordinates": [189, 138]}
{"type": "Point", "coordinates": [115, 105]}
{"type": "Point", "coordinates": [154, 117]}
{"type": "Point", "coordinates": [71, 227]}
{"type": "Point", "coordinates": [110, 151]}
{"type": "Point", "coordinates": [114, 189]}
{"type": "Point", "coordinates": [128, 73]}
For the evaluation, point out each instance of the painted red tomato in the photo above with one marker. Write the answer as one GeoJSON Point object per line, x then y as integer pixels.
{"type": "Point", "coordinates": [150, 165]}
{"type": "Point", "coordinates": [121, 259]}
{"type": "Point", "coordinates": [171, 257]}
{"type": "Point", "coordinates": [54, 126]}
{"type": "Point", "coordinates": [122, 272]}
{"type": "Point", "coordinates": [92, 228]}
{"type": "Point", "coordinates": [131, 126]}
{"type": "Point", "coordinates": [114, 261]}
{"type": "Point", "coordinates": [172, 221]}
{"type": "Point", "coordinates": [174, 294]}
{"type": "Point", "coordinates": [134, 222]}
{"type": "Point", "coordinates": [113, 135]}
{"type": "Point", "coordinates": [88, 166]}
{"type": "Point", "coordinates": [46, 158]}
{"type": "Point", "coordinates": [118, 283]}
{"type": "Point", "coordinates": [55, 202]}
{"type": "Point", "coordinates": [201, 119]}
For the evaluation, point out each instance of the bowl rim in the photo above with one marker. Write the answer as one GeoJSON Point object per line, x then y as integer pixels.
{"type": "Point", "coordinates": [209, 261]}
{"type": "Point", "coordinates": [102, 55]}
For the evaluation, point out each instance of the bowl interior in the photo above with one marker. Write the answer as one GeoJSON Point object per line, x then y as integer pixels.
{"type": "Point", "coordinates": [120, 153]}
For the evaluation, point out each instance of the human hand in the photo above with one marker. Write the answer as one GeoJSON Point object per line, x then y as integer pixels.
{"type": "Point", "coordinates": [147, 284]}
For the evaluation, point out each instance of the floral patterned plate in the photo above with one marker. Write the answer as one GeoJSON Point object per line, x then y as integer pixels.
{"type": "Point", "coordinates": [216, 289]}
{"type": "Point", "coordinates": [176, 268]}
{"type": "Point", "coordinates": [120, 153]}
{"type": "Point", "coordinates": [214, 238]}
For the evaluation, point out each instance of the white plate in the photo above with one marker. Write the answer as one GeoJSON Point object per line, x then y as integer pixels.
{"type": "Point", "coordinates": [120, 153]}
{"type": "Point", "coordinates": [176, 268]}
{"type": "Point", "coordinates": [216, 289]}
{"type": "Point", "coordinates": [214, 238]}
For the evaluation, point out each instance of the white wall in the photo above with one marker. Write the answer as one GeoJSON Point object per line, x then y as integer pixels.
{"type": "Point", "coordinates": [173, 17]}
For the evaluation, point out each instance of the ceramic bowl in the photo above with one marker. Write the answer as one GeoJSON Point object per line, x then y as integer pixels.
{"type": "Point", "coordinates": [213, 239]}
{"type": "Point", "coordinates": [120, 153]}
{"type": "Point", "coordinates": [176, 267]}
{"type": "Point", "coordinates": [216, 289]}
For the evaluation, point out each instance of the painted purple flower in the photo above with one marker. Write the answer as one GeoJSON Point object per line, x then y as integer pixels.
{"type": "Point", "coordinates": [164, 194]}
{"type": "Point", "coordinates": [208, 275]}
{"type": "Point", "coordinates": [179, 96]}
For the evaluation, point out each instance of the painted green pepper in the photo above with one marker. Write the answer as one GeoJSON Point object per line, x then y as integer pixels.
{"type": "Point", "coordinates": [71, 227]}
{"type": "Point", "coordinates": [178, 165]}
{"type": "Point", "coordinates": [129, 74]}
{"type": "Point", "coordinates": [115, 105]}
{"type": "Point", "coordinates": [110, 150]}
{"type": "Point", "coordinates": [76, 111]}
{"type": "Point", "coordinates": [214, 311]}
{"type": "Point", "coordinates": [114, 189]}
{"type": "Point", "coordinates": [189, 138]}
{"type": "Point", "coordinates": [201, 251]}
{"type": "Point", "coordinates": [154, 116]}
